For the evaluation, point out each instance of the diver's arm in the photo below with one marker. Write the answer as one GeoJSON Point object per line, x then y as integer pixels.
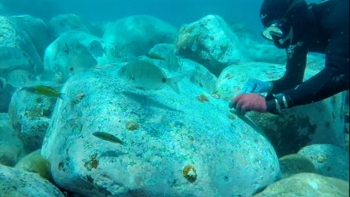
{"type": "Point", "coordinates": [333, 79]}
{"type": "Point", "coordinates": [295, 68]}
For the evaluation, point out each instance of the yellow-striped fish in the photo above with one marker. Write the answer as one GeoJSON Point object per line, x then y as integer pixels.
{"type": "Point", "coordinates": [107, 137]}
{"type": "Point", "coordinates": [44, 90]}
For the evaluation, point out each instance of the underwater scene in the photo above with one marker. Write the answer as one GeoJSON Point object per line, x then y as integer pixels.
{"type": "Point", "coordinates": [174, 98]}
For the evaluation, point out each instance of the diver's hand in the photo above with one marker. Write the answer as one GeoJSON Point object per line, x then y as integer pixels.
{"type": "Point", "coordinates": [256, 86]}
{"type": "Point", "coordinates": [249, 102]}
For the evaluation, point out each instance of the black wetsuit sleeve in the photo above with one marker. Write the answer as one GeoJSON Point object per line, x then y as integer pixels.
{"type": "Point", "coordinates": [334, 78]}
{"type": "Point", "coordinates": [295, 68]}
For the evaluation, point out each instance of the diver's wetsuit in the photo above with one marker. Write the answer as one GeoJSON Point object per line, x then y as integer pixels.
{"type": "Point", "coordinates": [328, 33]}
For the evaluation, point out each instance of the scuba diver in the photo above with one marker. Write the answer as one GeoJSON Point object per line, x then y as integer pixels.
{"type": "Point", "coordinates": [300, 28]}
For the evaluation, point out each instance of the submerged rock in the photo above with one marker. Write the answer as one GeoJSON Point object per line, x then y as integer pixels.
{"type": "Point", "coordinates": [328, 159]}
{"type": "Point", "coordinates": [317, 123]}
{"type": "Point", "coordinates": [70, 53]}
{"type": "Point", "coordinates": [30, 115]}
{"type": "Point", "coordinates": [137, 35]}
{"type": "Point", "coordinates": [11, 147]}
{"type": "Point", "coordinates": [8, 154]}
{"type": "Point", "coordinates": [224, 156]}
{"type": "Point", "coordinates": [14, 182]}
{"type": "Point", "coordinates": [307, 184]}
{"type": "Point", "coordinates": [34, 162]}
{"type": "Point", "coordinates": [12, 35]}
{"type": "Point", "coordinates": [294, 164]}
{"type": "Point", "coordinates": [210, 42]}
{"type": "Point", "coordinates": [63, 23]}
{"type": "Point", "coordinates": [37, 31]}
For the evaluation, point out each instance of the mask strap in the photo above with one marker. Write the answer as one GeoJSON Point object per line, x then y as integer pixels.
{"type": "Point", "coordinates": [295, 2]}
{"type": "Point", "coordinates": [289, 36]}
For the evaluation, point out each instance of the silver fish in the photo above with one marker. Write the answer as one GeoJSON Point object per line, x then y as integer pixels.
{"type": "Point", "coordinates": [78, 59]}
{"type": "Point", "coordinates": [19, 78]}
{"type": "Point", "coordinates": [145, 75]}
{"type": "Point", "coordinates": [96, 49]}
{"type": "Point", "coordinates": [173, 62]}
{"type": "Point", "coordinates": [11, 57]}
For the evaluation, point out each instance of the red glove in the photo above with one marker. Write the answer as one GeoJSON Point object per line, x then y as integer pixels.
{"type": "Point", "coordinates": [249, 102]}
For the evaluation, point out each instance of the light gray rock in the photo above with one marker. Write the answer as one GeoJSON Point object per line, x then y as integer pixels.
{"type": "Point", "coordinates": [328, 159]}
{"type": "Point", "coordinates": [34, 162]}
{"type": "Point", "coordinates": [13, 35]}
{"type": "Point", "coordinates": [195, 72]}
{"type": "Point", "coordinates": [68, 22]}
{"type": "Point", "coordinates": [210, 42]}
{"type": "Point", "coordinates": [69, 54]}
{"type": "Point", "coordinates": [200, 75]}
{"type": "Point", "coordinates": [137, 35]}
{"type": "Point", "coordinates": [307, 184]}
{"type": "Point", "coordinates": [37, 31]}
{"type": "Point", "coordinates": [267, 53]}
{"type": "Point", "coordinates": [165, 134]}
{"type": "Point", "coordinates": [9, 154]}
{"type": "Point", "coordinates": [30, 115]}
{"type": "Point", "coordinates": [162, 49]}
{"type": "Point", "coordinates": [14, 182]}
{"type": "Point", "coordinates": [5, 97]}
{"type": "Point", "coordinates": [294, 163]}
{"type": "Point", "coordinates": [317, 123]}
{"type": "Point", "coordinates": [11, 147]}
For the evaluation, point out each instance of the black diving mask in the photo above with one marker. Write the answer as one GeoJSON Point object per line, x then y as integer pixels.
{"type": "Point", "coordinates": [280, 32]}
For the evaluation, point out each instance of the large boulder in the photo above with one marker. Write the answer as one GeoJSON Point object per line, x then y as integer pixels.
{"type": "Point", "coordinates": [12, 35]}
{"type": "Point", "coordinates": [30, 115]}
{"type": "Point", "coordinates": [266, 53]}
{"type": "Point", "coordinates": [6, 92]}
{"type": "Point", "coordinates": [168, 144]}
{"type": "Point", "coordinates": [34, 162]}
{"type": "Point", "coordinates": [36, 29]}
{"type": "Point", "coordinates": [62, 23]}
{"type": "Point", "coordinates": [317, 123]}
{"type": "Point", "coordinates": [294, 163]}
{"type": "Point", "coordinates": [11, 147]}
{"type": "Point", "coordinates": [328, 159]}
{"type": "Point", "coordinates": [137, 35]}
{"type": "Point", "coordinates": [71, 52]}
{"type": "Point", "coordinates": [197, 73]}
{"type": "Point", "coordinates": [210, 42]}
{"type": "Point", "coordinates": [14, 182]}
{"type": "Point", "coordinates": [307, 184]}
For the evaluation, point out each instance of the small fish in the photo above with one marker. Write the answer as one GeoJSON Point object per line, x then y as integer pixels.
{"type": "Point", "coordinates": [249, 122]}
{"type": "Point", "coordinates": [154, 56]}
{"type": "Point", "coordinates": [145, 75]}
{"type": "Point", "coordinates": [44, 90]}
{"type": "Point", "coordinates": [108, 137]}
{"type": "Point", "coordinates": [79, 59]}
{"type": "Point", "coordinates": [66, 50]}
{"type": "Point", "coordinates": [173, 63]}
{"type": "Point", "coordinates": [11, 57]}
{"type": "Point", "coordinates": [18, 78]}
{"type": "Point", "coordinates": [96, 49]}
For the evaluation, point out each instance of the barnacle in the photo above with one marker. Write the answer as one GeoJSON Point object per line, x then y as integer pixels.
{"type": "Point", "coordinates": [202, 98]}
{"type": "Point", "coordinates": [78, 97]}
{"type": "Point", "coordinates": [92, 163]}
{"type": "Point", "coordinates": [232, 117]}
{"type": "Point", "coordinates": [189, 172]}
{"type": "Point", "coordinates": [132, 125]}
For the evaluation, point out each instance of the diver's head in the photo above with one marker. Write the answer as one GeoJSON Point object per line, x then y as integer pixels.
{"type": "Point", "coordinates": [280, 19]}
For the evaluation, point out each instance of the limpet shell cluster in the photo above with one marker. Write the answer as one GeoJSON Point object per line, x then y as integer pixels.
{"type": "Point", "coordinates": [189, 172]}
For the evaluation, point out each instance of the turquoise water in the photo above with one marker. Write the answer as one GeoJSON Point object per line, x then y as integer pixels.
{"type": "Point", "coordinates": [130, 99]}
